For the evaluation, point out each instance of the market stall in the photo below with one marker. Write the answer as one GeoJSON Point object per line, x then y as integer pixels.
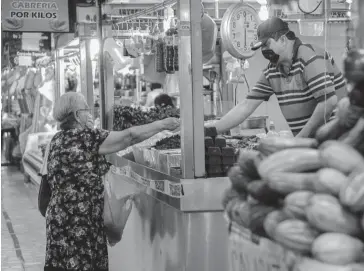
{"type": "Point", "coordinates": [288, 210]}
{"type": "Point", "coordinates": [177, 222]}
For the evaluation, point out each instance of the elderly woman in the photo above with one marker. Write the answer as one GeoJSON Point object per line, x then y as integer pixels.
{"type": "Point", "coordinates": [74, 220]}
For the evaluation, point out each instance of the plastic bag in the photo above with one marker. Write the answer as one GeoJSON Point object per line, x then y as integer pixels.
{"type": "Point", "coordinates": [209, 36]}
{"type": "Point", "coordinates": [116, 212]}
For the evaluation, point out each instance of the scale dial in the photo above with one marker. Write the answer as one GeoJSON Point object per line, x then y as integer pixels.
{"type": "Point", "coordinates": [239, 30]}
{"type": "Point", "coordinates": [309, 6]}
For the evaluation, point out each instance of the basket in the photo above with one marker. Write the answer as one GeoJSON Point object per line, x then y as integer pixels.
{"type": "Point", "coordinates": [313, 28]}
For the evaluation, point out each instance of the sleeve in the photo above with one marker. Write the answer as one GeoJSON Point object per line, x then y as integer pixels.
{"type": "Point", "coordinates": [262, 90]}
{"type": "Point", "coordinates": [98, 136]}
{"type": "Point", "coordinates": [318, 79]}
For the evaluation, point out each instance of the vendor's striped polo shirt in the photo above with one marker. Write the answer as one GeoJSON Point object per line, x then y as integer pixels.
{"type": "Point", "coordinates": [313, 78]}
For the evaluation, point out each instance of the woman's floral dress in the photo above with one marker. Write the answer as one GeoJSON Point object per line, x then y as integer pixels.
{"type": "Point", "coordinates": [75, 228]}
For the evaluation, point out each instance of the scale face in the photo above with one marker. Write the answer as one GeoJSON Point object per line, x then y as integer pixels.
{"type": "Point", "coordinates": [310, 6]}
{"type": "Point", "coordinates": [239, 30]}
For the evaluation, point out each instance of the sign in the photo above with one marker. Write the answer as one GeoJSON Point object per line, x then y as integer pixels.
{"type": "Point", "coordinates": [18, 48]}
{"type": "Point", "coordinates": [37, 15]}
{"type": "Point", "coordinates": [87, 14]}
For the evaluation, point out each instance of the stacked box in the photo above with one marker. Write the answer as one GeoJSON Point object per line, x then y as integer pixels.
{"type": "Point", "coordinates": [213, 156]}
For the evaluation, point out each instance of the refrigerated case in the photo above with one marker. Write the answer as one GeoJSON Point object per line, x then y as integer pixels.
{"type": "Point", "coordinates": [73, 69]}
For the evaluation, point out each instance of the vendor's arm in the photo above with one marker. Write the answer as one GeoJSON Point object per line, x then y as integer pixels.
{"type": "Point", "coordinates": [322, 87]}
{"type": "Point", "coordinates": [119, 140]}
{"type": "Point", "coordinates": [317, 119]}
{"type": "Point", "coordinates": [261, 92]}
{"type": "Point", "coordinates": [237, 115]}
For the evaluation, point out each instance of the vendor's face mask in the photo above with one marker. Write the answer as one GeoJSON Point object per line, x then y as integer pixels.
{"type": "Point", "coordinates": [272, 46]}
{"type": "Point", "coordinates": [270, 55]}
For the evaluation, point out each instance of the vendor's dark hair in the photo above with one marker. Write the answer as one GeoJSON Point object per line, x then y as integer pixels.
{"type": "Point", "coordinates": [163, 100]}
{"type": "Point", "coordinates": [72, 84]}
{"type": "Point", "coordinates": [290, 34]}
{"type": "Point", "coordinates": [154, 86]}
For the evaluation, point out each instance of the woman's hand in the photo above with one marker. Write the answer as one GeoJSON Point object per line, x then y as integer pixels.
{"type": "Point", "coordinates": [170, 124]}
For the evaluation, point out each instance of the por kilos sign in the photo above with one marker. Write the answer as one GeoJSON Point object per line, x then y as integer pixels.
{"type": "Point", "coordinates": [35, 15]}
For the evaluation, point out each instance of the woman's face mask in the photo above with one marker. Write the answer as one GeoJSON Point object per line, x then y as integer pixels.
{"type": "Point", "coordinates": [84, 117]}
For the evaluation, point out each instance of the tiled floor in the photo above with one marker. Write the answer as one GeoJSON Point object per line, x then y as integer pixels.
{"type": "Point", "coordinates": [22, 226]}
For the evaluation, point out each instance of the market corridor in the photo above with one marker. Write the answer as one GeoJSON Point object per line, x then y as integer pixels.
{"type": "Point", "coordinates": [22, 226]}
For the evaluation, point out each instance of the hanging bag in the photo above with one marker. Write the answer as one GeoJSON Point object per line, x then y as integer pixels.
{"type": "Point", "coordinates": [116, 212]}
{"type": "Point", "coordinates": [44, 193]}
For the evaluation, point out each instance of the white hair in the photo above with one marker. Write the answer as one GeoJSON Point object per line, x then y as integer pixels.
{"type": "Point", "coordinates": [67, 104]}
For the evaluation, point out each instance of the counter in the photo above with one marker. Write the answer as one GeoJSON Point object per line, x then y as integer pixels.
{"type": "Point", "coordinates": [169, 230]}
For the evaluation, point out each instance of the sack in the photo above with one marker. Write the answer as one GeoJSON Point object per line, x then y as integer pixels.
{"type": "Point", "coordinates": [44, 195]}
{"type": "Point", "coordinates": [116, 213]}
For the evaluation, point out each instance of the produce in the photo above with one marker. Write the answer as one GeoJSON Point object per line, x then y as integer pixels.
{"type": "Point", "coordinates": [29, 79]}
{"type": "Point", "coordinates": [337, 248]}
{"type": "Point", "coordinates": [173, 142]}
{"type": "Point", "coordinates": [231, 194]}
{"type": "Point", "coordinates": [258, 213]}
{"type": "Point", "coordinates": [326, 214]}
{"type": "Point", "coordinates": [240, 213]}
{"type": "Point", "coordinates": [296, 203]}
{"type": "Point", "coordinates": [296, 235]}
{"type": "Point", "coordinates": [247, 142]}
{"type": "Point", "coordinates": [127, 116]}
{"type": "Point", "coordinates": [272, 220]}
{"type": "Point", "coordinates": [238, 178]}
{"type": "Point", "coordinates": [329, 181]}
{"type": "Point", "coordinates": [352, 194]}
{"type": "Point", "coordinates": [356, 267]}
{"type": "Point", "coordinates": [248, 161]}
{"type": "Point", "coordinates": [286, 182]}
{"type": "Point", "coordinates": [340, 156]}
{"type": "Point", "coordinates": [270, 145]}
{"type": "Point", "coordinates": [261, 191]}
{"type": "Point", "coordinates": [290, 160]}
{"type": "Point", "coordinates": [347, 117]}
{"type": "Point", "coordinates": [329, 131]}
{"type": "Point", "coordinates": [307, 264]}
{"type": "Point", "coordinates": [355, 137]}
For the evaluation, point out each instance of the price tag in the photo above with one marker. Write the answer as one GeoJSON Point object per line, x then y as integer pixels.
{"type": "Point", "coordinates": [245, 255]}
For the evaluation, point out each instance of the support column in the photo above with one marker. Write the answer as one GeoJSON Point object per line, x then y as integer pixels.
{"type": "Point", "coordinates": [190, 85]}
{"type": "Point", "coordinates": [87, 81]}
{"type": "Point", "coordinates": [59, 73]}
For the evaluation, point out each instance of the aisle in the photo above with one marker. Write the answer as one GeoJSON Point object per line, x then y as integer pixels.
{"type": "Point", "coordinates": [22, 226]}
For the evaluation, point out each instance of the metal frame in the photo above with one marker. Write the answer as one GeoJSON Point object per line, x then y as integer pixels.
{"type": "Point", "coordinates": [86, 74]}
{"type": "Point", "coordinates": [191, 96]}
{"type": "Point", "coordinates": [190, 85]}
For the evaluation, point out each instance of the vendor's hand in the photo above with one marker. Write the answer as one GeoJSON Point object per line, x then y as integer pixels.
{"type": "Point", "coordinates": [170, 124]}
{"type": "Point", "coordinates": [210, 131]}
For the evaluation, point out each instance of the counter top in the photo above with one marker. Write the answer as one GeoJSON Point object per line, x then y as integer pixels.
{"type": "Point", "coordinates": [193, 195]}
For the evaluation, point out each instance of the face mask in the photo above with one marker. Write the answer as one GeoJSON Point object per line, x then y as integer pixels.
{"type": "Point", "coordinates": [270, 55]}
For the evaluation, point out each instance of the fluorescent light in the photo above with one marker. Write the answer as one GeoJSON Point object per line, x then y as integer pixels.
{"type": "Point", "coordinates": [263, 13]}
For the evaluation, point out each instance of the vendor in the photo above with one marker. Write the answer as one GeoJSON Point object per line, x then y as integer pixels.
{"type": "Point", "coordinates": [155, 90]}
{"type": "Point", "coordinates": [163, 100]}
{"type": "Point", "coordinates": [304, 77]}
